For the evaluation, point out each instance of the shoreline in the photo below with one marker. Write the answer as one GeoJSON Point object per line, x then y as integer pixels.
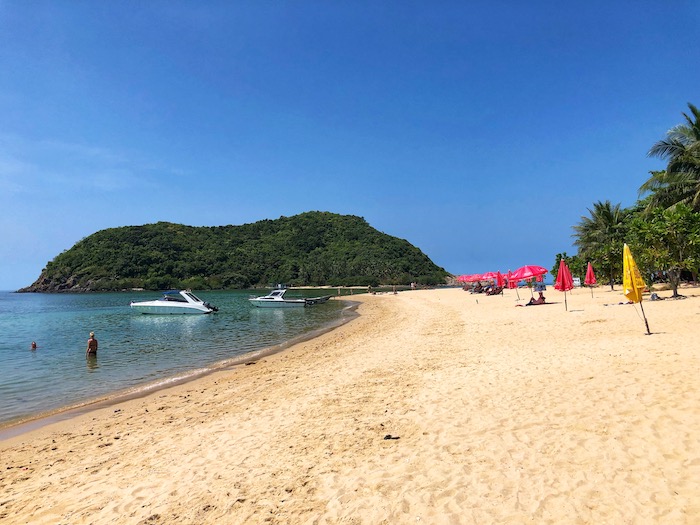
{"type": "Point", "coordinates": [432, 406]}
{"type": "Point", "coordinates": [15, 428]}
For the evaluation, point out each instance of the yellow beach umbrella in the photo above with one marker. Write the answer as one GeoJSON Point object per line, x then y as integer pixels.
{"type": "Point", "coordinates": [632, 282]}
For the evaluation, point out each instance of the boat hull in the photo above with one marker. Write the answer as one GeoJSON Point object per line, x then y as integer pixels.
{"type": "Point", "coordinates": [183, 302]}
{"type": "Point", "coordinates": [263, 303]}
{"type": "Point", "coordinates": [168, 310]}
{"type": "Point", "coordinates": [276, 299]}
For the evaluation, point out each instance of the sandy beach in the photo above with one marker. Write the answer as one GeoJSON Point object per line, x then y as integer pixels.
{"type": "Point", "coordinates": [433, 407]}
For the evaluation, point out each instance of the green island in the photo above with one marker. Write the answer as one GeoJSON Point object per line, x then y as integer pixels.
{"type": "Point", "coordinates": [310, 249]}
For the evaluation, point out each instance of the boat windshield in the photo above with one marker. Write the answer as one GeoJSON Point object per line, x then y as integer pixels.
{"type": "Point", "coordinates": [193, 297]}
{"type": "Point", "coordinates": [173, 297]}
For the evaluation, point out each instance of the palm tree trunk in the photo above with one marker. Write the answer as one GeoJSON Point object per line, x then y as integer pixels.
{"type": "Point", "coordinates": [674, 276]}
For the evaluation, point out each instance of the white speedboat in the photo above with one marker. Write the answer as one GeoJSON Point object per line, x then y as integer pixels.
{"type": "Point", "coordinates": [275, 299]}
{"type": "Point", "coordinates": [175, 303]}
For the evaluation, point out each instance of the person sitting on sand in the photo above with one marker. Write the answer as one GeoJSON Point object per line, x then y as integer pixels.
{"type": "Point", "coordinates": [539, 300]}
{"type": "Point", "coordinates": [91, 346]}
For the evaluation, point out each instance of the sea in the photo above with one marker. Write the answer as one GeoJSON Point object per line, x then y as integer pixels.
{"type": "Point", "coordinates": [137, 353]}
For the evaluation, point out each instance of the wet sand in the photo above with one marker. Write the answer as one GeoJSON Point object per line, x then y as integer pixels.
{"type": "Point", "coordinates": [432, 407]}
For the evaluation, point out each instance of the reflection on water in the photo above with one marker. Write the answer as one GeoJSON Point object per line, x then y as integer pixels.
{"type": "Point", "coordinates": [134, 348]}
{"type": "Point", "coordinates": [91, 362]}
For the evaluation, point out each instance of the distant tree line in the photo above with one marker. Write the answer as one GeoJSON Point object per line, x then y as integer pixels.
{"type": "Point", "coordinates": [314, 248]}
{"type": "Point", "coordinates": [662, 228]}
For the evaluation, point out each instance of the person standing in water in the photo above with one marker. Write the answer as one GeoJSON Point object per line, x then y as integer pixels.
{"type": "Point", "coordinates": [91, 346]}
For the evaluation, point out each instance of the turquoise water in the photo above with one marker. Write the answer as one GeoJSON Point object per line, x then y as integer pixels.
{"type": "Point", "coordinates": [134, 349]}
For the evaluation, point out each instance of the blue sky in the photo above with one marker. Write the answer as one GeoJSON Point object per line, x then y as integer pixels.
{"type": "Point", "coordinates": [479, 131]}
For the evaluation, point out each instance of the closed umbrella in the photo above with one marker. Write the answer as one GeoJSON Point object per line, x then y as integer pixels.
{"type": "Point", "coordinates": [632, 281]}
{"type": "Point", "coordinates": [590, 278]}
{"type": "Point", "coordinates": [564, 280]}
{"type": "Point", "coordinates": [494, 276]}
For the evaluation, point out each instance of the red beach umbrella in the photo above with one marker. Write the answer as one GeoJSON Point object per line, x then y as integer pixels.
{"type": "Point", "coordinates": [590, 278]}
{"type": "Point", "coordinates": [564, 280]}
{"type": "Point", "coordinates": [488, 276]}
{"type": "Point", "coordinates": [527, 272]}
{"type": "Point", "coordinates": [500, 281]}
{"type": "Point", "coordinates": [473, 278]}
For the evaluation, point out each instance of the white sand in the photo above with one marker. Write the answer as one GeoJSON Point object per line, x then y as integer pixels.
{"type": "Point", "coordinates": [503, 414]}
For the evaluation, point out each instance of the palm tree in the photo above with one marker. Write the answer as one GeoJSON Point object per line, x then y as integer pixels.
{"type": "Point", "coordinates": [680, 181]}
{"type": "Point", "coordinates": [600, 237]}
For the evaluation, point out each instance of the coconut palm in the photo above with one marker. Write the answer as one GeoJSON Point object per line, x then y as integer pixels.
{"type": "Point", "coordinates": [600, 237]}
{"type": "Point", "coordinates": [680, 181]}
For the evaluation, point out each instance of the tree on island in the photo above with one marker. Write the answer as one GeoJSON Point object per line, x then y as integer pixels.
{"type": "Point", "coordinates": [309, 249]}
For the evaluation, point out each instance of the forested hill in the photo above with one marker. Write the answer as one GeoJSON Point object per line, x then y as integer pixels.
{"type": "Point", "coordinates": [313, 248]}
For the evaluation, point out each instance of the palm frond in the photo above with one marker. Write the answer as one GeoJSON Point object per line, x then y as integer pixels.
{"type": "Point", "coordinates": [667, 148]}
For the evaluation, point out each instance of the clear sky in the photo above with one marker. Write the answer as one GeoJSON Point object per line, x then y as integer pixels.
{"type": "Point", "coordinates": [479, 131]}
